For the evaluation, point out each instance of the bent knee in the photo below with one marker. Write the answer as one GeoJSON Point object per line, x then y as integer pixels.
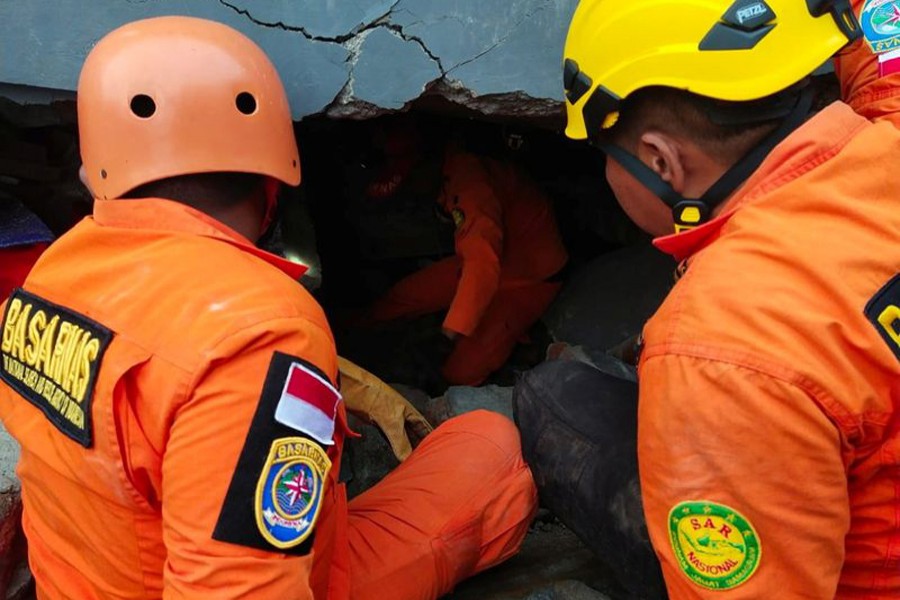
{"type": "Point", "coordinates": [493, 427]}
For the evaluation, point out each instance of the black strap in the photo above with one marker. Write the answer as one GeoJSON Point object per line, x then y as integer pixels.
{"type": "Point", "coordinates": [647, 176]}
{"type": "Point", "coordinates": [730, 180]}
{"type": "Point", "coordinates": [740, 171]}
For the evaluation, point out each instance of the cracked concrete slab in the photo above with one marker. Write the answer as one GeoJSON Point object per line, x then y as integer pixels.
{"type": "Point", "coordinates": [351, 58]}
{"type": "Point", "coordinates": [334, 19]}
{"type": "Point", "coordinates": [409, 70]}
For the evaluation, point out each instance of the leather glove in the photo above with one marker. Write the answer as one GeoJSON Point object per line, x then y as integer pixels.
{"type": "Point", "coordinates": [375, 402]}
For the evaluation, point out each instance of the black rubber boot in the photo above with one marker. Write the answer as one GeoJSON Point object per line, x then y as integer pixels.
{"type": "Point", "coordinates": [579, 435]}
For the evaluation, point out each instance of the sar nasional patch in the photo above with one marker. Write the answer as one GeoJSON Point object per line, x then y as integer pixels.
{"type": "Point", "coordinates": [715, 545]}
{"type": "Point", "coordinates": [880, 21]}
{"type": "Point", "coordinates": [51, 355]}
{"type": "Point", "coordinates": [289, 491]}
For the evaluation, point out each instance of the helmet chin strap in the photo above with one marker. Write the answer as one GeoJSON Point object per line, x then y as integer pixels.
{"type": "Point", "coordinates": [690, 212]}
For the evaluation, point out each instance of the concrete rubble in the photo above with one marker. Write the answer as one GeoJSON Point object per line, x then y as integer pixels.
{"type": "Point", "coordinates": [344, 59]}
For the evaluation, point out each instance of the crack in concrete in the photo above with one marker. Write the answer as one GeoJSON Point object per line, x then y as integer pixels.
{"type": "Point", "coordinates": [398, 29]}
{"type": "Point", "coordinates": [502, 40]}
{"type": "Point", "coordinates": [338, 39]}
{"type": "Point", "coordinates": [353, 40]}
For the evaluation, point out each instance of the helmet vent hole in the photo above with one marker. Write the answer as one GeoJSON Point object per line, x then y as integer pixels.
{"type": "Point", "coordinates": [245, 103]}
{"type": "Point", "coordinates": [294, 163]}
{"type": "Point", "coordinates": [143, 106]}
{"type": "Point", "coordinates": [103, 173]}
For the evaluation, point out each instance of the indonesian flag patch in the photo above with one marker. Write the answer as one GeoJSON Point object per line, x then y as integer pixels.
{"type": "Point", "coordinates": [308, 404]}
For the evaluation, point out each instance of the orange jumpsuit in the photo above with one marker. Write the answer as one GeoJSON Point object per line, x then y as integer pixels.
{"type": "Point", "coordinates": [141, 369]}
{"type": "Point", "coordinates": [496, 286]}
{"type": "Point", "coordinates": [769, 418]}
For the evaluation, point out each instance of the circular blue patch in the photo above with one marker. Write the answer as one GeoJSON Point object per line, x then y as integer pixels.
{"type": "Point", "coordinates": [289, 491]}
{"type": "Point", "coordinates": [880, 21]}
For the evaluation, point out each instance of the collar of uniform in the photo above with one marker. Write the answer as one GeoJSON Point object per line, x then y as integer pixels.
{"type": "Point", "coordinates": [817, 140]}
{"type": "Point", "coordinates": [167, 215]}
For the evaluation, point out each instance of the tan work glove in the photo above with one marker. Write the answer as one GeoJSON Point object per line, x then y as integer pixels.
{"type": "Point", "coordinates": [374, 401]}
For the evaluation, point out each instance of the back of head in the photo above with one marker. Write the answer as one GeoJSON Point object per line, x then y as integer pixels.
{"type": "Point", "coordinates": [173, 96]}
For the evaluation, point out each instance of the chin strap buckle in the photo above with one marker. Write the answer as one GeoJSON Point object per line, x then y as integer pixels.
{"type": "Point", "coordinates": [688, 214]}
{"type": "Point", "coordinates": [842, 12]}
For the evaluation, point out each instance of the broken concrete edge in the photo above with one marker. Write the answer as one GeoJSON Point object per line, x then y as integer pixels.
{"type": "Point", "coordinates": [29, 106]}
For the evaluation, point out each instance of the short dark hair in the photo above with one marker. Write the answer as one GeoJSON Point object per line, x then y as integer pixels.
{"type": "Point", "coordinates": [727, 130]}
{"type": "Point", "coordinates": [221, 189]}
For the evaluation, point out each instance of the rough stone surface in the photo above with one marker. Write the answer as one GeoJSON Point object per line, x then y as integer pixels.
{"type": "Point", "coordinates": [569, 572]}
{"type": "Point", "coordinates": [350, 58]}
{"type": "Point", "coordinates": [9, 457]}
{"type": "Point", "coordinates": [460, 399]}
{"type": "Point", "coordinates": [626, 287]}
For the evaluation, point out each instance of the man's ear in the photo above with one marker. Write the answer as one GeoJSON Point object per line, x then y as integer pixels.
{"type": "Point", "coordinates": [663, 154]}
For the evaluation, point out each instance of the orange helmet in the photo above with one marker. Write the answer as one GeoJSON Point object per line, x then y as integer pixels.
{"type": "Point", "coordinates": [175, 96]}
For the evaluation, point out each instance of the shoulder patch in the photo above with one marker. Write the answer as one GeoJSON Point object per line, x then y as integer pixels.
{"type": "Point", "coordinates": [715, 545]}
{"type": "Point", "coordinates": [289, 491]}
{"type": "Point", "coordinates": [51, 355]}
{"type": "Point", "coordinates": [880, 21]}
{"type": "Point", "coordinates": [277, 490]}
{"type": "Point", "coordinates": [883, 312]}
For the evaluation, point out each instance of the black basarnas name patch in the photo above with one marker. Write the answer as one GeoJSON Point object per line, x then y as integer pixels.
{"type": "Point", "coordinates": [50, 355]}
{"type": "Point", "coordinates": [883, 311]}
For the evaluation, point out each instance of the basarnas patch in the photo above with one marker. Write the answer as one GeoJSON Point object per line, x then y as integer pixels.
{"type": "Point", "coordinates": [281, 478]}
{"type": "Point", "coordinates": [289, 491]}
{"type": "Point", "coordinates": [715, 546]}
{"type": "Point", "coordinates": [51, 356]}
{"type": "Point", "coordinates": [880, 21]}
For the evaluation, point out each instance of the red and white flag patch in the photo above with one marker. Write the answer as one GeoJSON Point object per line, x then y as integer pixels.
{"type": "Point", "coordinates": [308, 404]}
{"type": "Point", "coordinates": [889, 63]}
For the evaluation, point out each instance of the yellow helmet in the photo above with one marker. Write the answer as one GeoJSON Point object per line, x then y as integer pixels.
{"type": "Point", "coordinates": [730, 50]}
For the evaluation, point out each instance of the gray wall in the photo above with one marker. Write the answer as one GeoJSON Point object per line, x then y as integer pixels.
{"type": "Point", "coordinates": [333, 55]}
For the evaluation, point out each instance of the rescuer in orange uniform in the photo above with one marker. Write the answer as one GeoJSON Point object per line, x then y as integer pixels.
{"type": "Point", "coordinates": [508, 262]}
{"type": "Point", "coordinates": [173, 387]}
{"type": "Point", "coordinates": [770, 377]}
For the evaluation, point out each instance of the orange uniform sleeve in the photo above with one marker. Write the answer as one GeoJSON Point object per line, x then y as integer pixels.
{"type": "Point", "coordinates": [478, 216]}
{"type": "Point", "coordinates": [743, 481]}
{"type": "Point", "coordinates": [871, 89]}
{"type": "Point", "coordinates": [208, 435]}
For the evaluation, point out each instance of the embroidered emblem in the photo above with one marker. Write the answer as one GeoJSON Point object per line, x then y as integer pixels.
{"type": "Point", "coordinates": [50, 355]}
{"type": "Point", "coordinates": [459, 217]}
{"type": "Point", "coordinates": [308, 403]}
{"type": "Point", "coordinates": [289, 491]}
{"type": "Point", "coordinates": [715, 546]}
{"type": "Point", "coordinates": [880, 20]}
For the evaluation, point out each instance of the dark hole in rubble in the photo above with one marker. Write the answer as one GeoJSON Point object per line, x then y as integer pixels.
{"type": "Point", "coordinates": [365, 245]}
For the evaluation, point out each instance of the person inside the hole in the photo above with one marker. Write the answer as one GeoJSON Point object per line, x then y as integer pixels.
{"type": "Point", "coordinates": [764, 424]}
{"type": "Point", "coordinates": [509, 256]}
{"type": "Point", "coordinates": [173, 387]}
{"type": "Point", "coordinates": [23, 238]}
